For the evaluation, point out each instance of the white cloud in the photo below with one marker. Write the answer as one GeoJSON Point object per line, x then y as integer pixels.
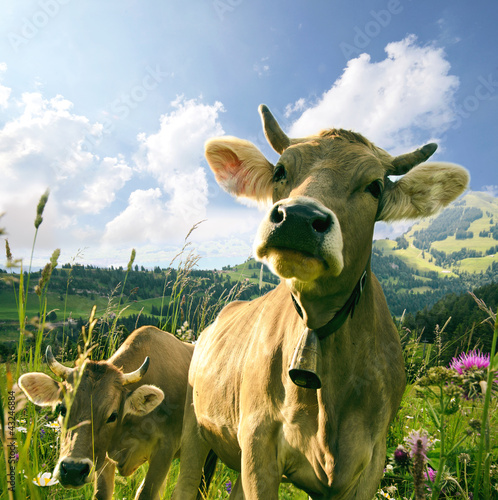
{"type": "Point", "coordinates": [110, 176]}
{"type": "Point", "coordinates": [491, 190]}
{"type": "Point", "coordinates": [406, 98]}
{"type": "Point", "coordinates": [299, 105]}
{"type": "Point", "coordinates": [392, 230]}
{"type": "Point", "coordinates": [173, 157]}
{"type": "Point", "coordinates": [142, 220]}
{"type": "Point", "coordinates": [178, 146]}
{"type": "Point", "coordinates": [46, 145]}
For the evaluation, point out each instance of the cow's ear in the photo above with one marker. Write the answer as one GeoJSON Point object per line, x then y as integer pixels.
{"type": "Point", "coordinates": [423, 191]}
{"type": "Point", "coordinates": [240, 168]}
{"type": "Point", "coordinates": [143, 400]}
{"type": "Point", "coordinates": [40, 389]}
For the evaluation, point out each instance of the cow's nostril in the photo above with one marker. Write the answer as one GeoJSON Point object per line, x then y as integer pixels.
{"type": "Point", "coordinates": [85, 470]}
{"type": "Point", "coordinates": [277, 215]}
{"type": "Point", "coordinates": [322, 224]}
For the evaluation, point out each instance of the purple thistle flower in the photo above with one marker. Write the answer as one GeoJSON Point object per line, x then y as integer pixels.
{"type": "Point", "coordinates": [467, 361]}
{"type": "Point", "coordinates": [430, 475]}
{"type": "Point", "coordinates": [401, 457]}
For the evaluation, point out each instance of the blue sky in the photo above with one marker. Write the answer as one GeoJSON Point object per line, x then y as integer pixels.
{"type": "Point", "coordinates": [109, 104]}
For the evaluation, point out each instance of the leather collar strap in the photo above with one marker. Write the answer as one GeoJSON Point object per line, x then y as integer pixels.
{"type": "Point", "coordinates": [340, 317]}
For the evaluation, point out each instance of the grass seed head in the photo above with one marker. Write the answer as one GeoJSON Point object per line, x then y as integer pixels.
{"type": "Point", "coordinates": [40, 208]}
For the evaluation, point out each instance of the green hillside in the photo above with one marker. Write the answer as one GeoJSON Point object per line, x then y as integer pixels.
{"type": "Point", "coordinates": [453, 251]}
{"type": "Point", "coordinates": [462, 238]}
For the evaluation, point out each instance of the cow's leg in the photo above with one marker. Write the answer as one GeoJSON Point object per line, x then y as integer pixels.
{"type": "Point", "coordinates": [159, 464]}
{"type": "Point", "coordinates": [261, 471]}
{"type": "Point", "coordinates": [194, 451]}
{"type": "Point", "coordinates": [369, 480]}
{"type": "Point", "coordinates": [104, 481]}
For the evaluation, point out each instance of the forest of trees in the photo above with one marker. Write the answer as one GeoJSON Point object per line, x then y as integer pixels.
{"type": "Point", "coordinates": [201, 291]}
{"type": "Point", "coordinates": [467, 327]}
{"type": "Point", "coordinates": [453, 221]}
{"type": "Point", "coordinates": [400, 283]}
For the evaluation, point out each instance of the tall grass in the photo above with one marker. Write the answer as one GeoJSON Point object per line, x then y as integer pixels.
{"type": "Point", "coordinates": [461, 452]}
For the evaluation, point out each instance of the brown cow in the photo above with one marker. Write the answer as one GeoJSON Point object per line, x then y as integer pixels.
{"type": "Point", "coordinates": [328, 191]}
{"type": "Point", "coordinates": [137, 416]}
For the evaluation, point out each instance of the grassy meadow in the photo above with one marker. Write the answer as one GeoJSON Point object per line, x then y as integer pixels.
{"type": "Point", "coordinates": [443, 442]}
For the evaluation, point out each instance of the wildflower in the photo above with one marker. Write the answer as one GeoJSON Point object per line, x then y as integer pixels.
{"type": "Point", "coordinates": [472, 368]}
{"type": "Point", "coordinates": [466, 361]}
{"type": "Point", "coordinates": [464, 458]}
{"type": "Point", "coordinates": [42, 433]}
{"type": "Point", "coordinates": [418, 442]}
{"type": "Point", "coordinates": [53, 425]}
{"type": "Point", "coordinates": [430, 475]}
{"type": "Point", "coordinates": [384, 494]}
{"type": "Point", "coordinates": [22, 429]}
{"type": "Point", "coordinates": [44, 479]}
{"type": "Point", "coordinates": [228, 487]}
{"type": "Point", "coordinates": [401, 456]}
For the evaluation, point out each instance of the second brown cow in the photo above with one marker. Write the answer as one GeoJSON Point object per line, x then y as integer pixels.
{"type": "Point", "coordinates": [126, 411]}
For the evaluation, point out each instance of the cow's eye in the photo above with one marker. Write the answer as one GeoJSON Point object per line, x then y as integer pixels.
{"type": "Point", "coordinates": [112, 417]}
{"type": "Point", "coordinates": [375, 189]}
{"type": "Point", "coordinates": [279, 174]}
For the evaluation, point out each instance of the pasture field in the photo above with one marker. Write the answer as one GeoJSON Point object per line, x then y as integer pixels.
{"type": "Point", "coordinates": [75, 305]}
{"type": "Point", "coordinates": [476, 265]}
{"type": "Point", "coordinates": [412, 256]}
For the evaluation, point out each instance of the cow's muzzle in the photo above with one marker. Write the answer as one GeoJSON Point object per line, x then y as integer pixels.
{"type": "Point", "coordinates": [298, 226]}
{"type": "Point", "coordinates": [74, 473]}
{"type": "Point", "coordinates": [300, 238]}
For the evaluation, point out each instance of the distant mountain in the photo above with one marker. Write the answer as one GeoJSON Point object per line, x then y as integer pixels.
{"type": "Point", "coordinates": [453, 251]}
{"type": "Point", "coordinates": [462, 238]}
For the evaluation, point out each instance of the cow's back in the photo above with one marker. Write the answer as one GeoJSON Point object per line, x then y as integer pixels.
{"type": "Point", "coordinates": [168, 369]}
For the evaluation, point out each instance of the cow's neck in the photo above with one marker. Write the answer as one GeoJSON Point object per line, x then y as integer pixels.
{"type": "Point", "coordinates": [328, 315]}
{"type": "Point", "coordinates": [339, 317]}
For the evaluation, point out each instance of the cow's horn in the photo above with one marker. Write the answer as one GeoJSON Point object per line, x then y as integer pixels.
{"type": "Point", "coordinates": [59, 369]}
{"type": "Point", "coordinates": [136, 376]}
{"type": "Point", "coordinates": [403, 163]}
{"type": "Point", "coordinates": [274, 134]}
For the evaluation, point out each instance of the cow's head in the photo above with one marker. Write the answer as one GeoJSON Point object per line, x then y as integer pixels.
{"type": "Point", "coordinates": [328, 190]}
{"type": "Point", "coordinates": [100, 404]}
